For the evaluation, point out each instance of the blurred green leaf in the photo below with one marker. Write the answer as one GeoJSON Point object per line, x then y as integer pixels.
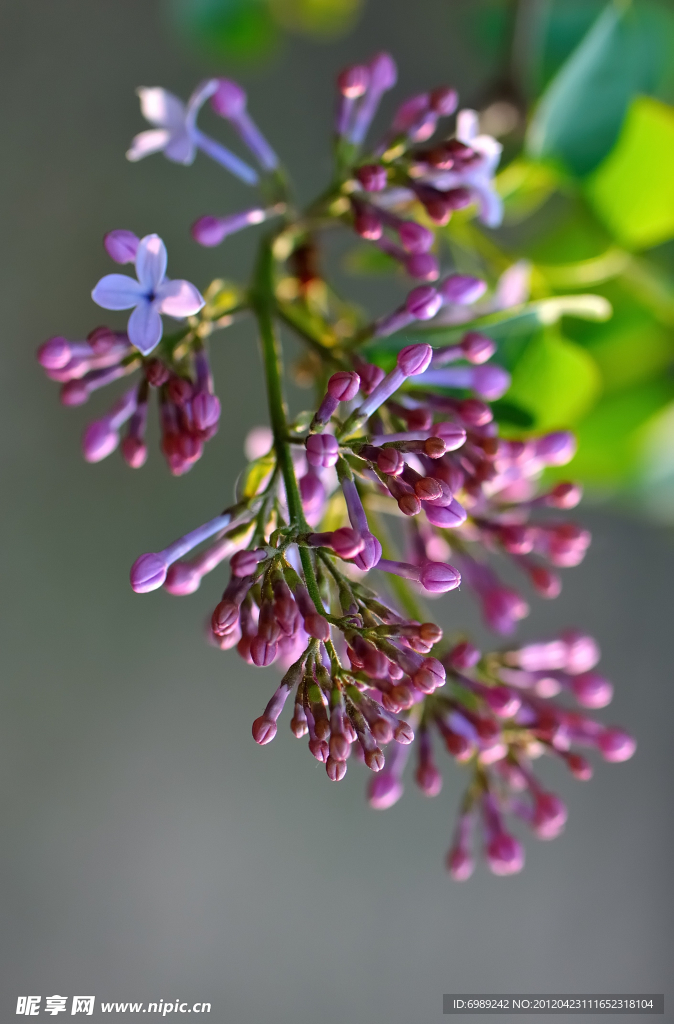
{"type": "Point", "coordinates": [243, 29]}
{"type": "Point", "coordinates": [632, 191]}
{"type": "Point", "coordinates": [316, 17]}
{"type": "Point", "coordinates": [580, 114]}
{"type": "Point", "coordinates": [555, 380]}
{"type": "Point", "coordinates": [631, 352]}
{"type": "Point", "coordinates": [610, 439]}
{"type": "Point", "coordinates": [499, 325]}
{"type": "Point", "coordinates": [254, 475]}
{"type": "Point", "coordinates": [368, 259]}
{"type": "Point", "coordinates": [524, 186]}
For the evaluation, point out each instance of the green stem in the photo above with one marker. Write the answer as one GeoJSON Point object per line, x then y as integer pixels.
{"type": "Point", "coordinates": [263, 302]}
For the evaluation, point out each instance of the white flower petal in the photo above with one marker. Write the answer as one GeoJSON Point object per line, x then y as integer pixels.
{"type": "Point", "coordinates": [145, 327]}
{"type": "Point", "coordinates": [151, 141]}
{"type": "Point", "coordinates": [117, 291]}
{"type": "Point", "coordinates": [467, 126]}
{"type": "Point", "coordinates": [151, 262]}
{"type": "Point", "coordinates": [179, 299]}
{"type": "Point", "coordinates": [180, 147]}
{"type": "Point", "coordinates": [161, 107]}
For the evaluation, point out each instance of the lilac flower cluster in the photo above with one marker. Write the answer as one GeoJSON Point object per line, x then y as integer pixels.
{"type": "Point", "coordinates": [417, 440]}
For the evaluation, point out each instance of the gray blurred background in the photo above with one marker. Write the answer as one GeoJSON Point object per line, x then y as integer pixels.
{"type": "Point", "coordinates": [150, 849]}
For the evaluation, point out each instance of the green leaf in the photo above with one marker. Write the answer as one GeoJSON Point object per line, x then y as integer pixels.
{"type": "Point", "coordinates": [254, 476]}
{"type": "Point", "coordinates": [579, 116]}
{"type": "Point", "coordinates": [610, 439]}
{"type": "Point", "coordinates": [555, 380]}
{"type": "Point", "coordinates": [242, 29]}
{"type": "Point", "coordinates": [632, 191]}
{"type": "Point", "coordinates": [498, 325]}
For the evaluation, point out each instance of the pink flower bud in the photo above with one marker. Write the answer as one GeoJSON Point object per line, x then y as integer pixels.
{"type": "Point", "coordinates": [322, 450]}
{"type": "Point", "coordinates": [477, 348]}
{"type": "Point", "coordinates": [556, 449]}
{"type": "Point", "coordinates": [205, 410]}
{"type": "Point", "coordinates": [460, 864]}
{"type": "Point", "coordinates": [592, 690]}
{"type": "Point", "coordinates": [549, 817]}
{"type": "Point", "coordinates": [616, 745]}
{"type": "Point", "coordinates": [422, 266]}
{"type": "Point", "coordinates": [264, 730]}
{"type": "Point", "coordinates": [244, 563]}
{"type": "Point", "coordinates": [505, 855]}
{"type": "Point", "coordinates": [121, 246]}
{"type": "Point", "coordinates": [353, 81]}
{"type": "Point", "coordinates": [182, 578]}
{"type": "Point", "coordinates": [148, 573]}
{"type": "Point", "coordinates": [372, 177]}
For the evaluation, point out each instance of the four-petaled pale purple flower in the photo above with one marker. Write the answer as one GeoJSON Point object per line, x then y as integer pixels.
{"type": "Point", "coordinates": [152, 294]}
{"type": "Point", "coordinates": [174, 123]}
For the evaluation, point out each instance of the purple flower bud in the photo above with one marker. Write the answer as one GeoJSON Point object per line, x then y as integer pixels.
{"type": "Point", "coordinates": [322, 450]}
{"type": "Point", "coordinates": [245, 563]}
{"type": "Point", "coordinates": [446, 517]}
{"type": "Point", "coordinates": [592, 690]}
{"type": "Point", "coordinates": [121, 246]}
{"type": "Point", "coordinates": [477, 348]}
{"type": "Point", "coordinates": [556, 449]}
{"type": "Point", "coordinates": [444, 101]}
{"type": "Point", "coordinates": [148, 572]}
{"type": "Point", "coordinates": [422, 266]}
{"type": "Point", "coordinates": [391, 461]}
{"type": "Point", "coordinates": [345, 542]}
{"type": "Point", "coordinates": [462, 289]}
{"type": "Point", "coordinates": [383, 75]}
{"type": "Point", "coordinates": [366, 221]}
{"type": "Point", "coordinates": [54, 354]}
{"type": "Point", "coordinates": [384, 790]}
{"type": "Point", "coordinates": [505, 854]}
{"type": "Point", "coordinates": [370, 554]}
{"type": "Point", "coordinates": [414, 359]}
{"type": "Point", "coordinates": [370, 376]}
{"type": "Point", "coordinates": [409, 112]}
{"type": "Point", "coordinates": [229, 100]}
{"type": "Point", "coordinates": [353, 81]}
{"type": "Point", "coordinates": [438, 577]}
{"type": "Point", "coordinates": [372, 177]}
{"type": "Point", "coordinates": [415, 238]}
{"type": "Point", "coordinates": [464, 656]}
{"type": "Point", "coordinates": [460, 864]}
{"type": "Point", "coordinates": [423, 303]}
{"type": "Point", "coordinates": [210, 231]}
{"type": "Point", "coordinates": [549, 817]}
{"type": "Point", "coordinates": [344, 385]}
{"type": "Point", "coordinates": [205, 410]}
{"type": "Point", "coordinates": [581, 652]}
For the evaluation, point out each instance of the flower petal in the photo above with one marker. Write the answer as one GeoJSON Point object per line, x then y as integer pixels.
{"type": "Point", "coordinates": [145, 327]}
{"type": "Point", "coordinates": [196, 101]}
{"type": "Point", "coordinates": [467, 126]}
{"type": "Point", "coordinates": [117, 291]}
{"type": "Point", "coordinates": [148, 142]}
{"type": "Point", "coordinates": [151, 262]}
{"type": "Point", "coordinates": [161, 108]}
{"type": "Point", "coordinates": [179, 299]}
{"type": "Point", "coordinates": [181, 148]}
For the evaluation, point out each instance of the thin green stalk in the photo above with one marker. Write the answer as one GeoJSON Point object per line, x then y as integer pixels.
{"type": "Point", "coordinates": [263, 301]}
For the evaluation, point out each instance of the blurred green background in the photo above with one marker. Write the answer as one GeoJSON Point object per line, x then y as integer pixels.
{"type": "Point", "coordinates": [151, 849]}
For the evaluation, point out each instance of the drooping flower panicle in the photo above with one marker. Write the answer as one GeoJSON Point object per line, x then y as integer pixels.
{"type": "Point", "coordinates": [403, 425]}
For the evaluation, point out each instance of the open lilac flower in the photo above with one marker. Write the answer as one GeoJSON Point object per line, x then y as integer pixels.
{"type": "Point", "coordinates": [152, 294]}
{"type": "Point", "coordinates": [175, 131]}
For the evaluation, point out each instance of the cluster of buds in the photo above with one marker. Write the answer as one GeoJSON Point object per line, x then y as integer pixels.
{"type": "Point", "coordinates": [417, 440]}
